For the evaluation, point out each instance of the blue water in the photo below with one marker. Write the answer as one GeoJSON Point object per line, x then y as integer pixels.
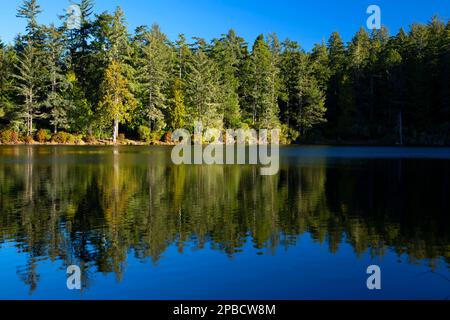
{"type": "Point", "coordinates": [142, 228]}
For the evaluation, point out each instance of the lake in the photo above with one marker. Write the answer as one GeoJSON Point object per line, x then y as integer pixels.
{"type": "Point", "coordinates": [140, 227]}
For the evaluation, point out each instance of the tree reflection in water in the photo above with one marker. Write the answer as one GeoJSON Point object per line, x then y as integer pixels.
{"type": "Point", "coordinates": [91, 206]}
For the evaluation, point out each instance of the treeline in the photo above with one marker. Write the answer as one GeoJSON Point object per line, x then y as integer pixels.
{"type": "Point", "coordinates": [92, 79]}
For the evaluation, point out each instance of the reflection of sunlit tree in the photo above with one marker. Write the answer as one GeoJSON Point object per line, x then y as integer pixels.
{"type": "Point", "coordinates": [62, 205]}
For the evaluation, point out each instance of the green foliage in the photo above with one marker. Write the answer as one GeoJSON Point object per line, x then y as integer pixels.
{"type": "Point", "coordinates": [260, 89]}
{"type": "Point", "coordinates": [117, 101]}
{"type": "Point", "coordinates": [94, 78]}
{"type": "Point", "coordinates": [9, 136]}
{"type": "Point", "coordinates": [56, 101]}
{"type": "Point", "coordinates": [144, 133]}
{"type": "Point", "coordinates": [43, 135]}
{"type": "Point", "coordinates": [64, 138]}
{"type": "Point", "coordinates": [153, 75]}
{"type": "Point", "coordinates": [228, 53]}
{"type": "Point", "coordinates": [177, 111]}
{"type": "Point", "coordinates": [121, 137]}
{"type": "Point", "coordinates": [203, 89]}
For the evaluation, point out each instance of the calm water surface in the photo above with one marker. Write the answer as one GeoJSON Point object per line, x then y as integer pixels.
{"type": "Point", "coordinates": [142, 228]}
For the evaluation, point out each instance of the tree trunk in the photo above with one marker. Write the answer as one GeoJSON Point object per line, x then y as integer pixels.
{"type": "Point", "coordinates": [30, 127]}
{"type": "Point", "coordinates": [116, 130]}
{"type": "Point", "coordinates": [30, 115]}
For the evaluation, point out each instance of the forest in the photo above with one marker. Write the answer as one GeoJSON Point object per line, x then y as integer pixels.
{"type": "Point", "coordinates": [97, 81]}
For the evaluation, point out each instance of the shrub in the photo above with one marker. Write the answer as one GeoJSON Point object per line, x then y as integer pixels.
{"type": "Point", "coordinates": [63, 138]}
{"type": "Point", "coordinates": [29, 140]}
{"type": "Point", "coordinates": [121, 137]}
{"type": "Point", "coordinates": [288, 135]}
{"type": "Point", "coordinates": [14, 137]}
{"type": "Point", "coordinates": [144, 133]}
{"type": "Point", "coordinates": [78, 139]}
{"type": "Point", "coordinates": [43, 135]}
{"type": "Point", "coordinates": [155, 137]}
{"type": "Point", "coordinates": [5, 136]}
{"type": "Point", "coordinates": [167, 137]}
{"type": "Point", "coordinates": [90, 139]}
{"type": "Point", "coordinates": [9, 136]}
{"type": "Point", "coordinates": [70, 138]}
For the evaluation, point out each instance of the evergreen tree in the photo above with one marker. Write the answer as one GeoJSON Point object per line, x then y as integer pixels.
{"type": "Point", "coordinates": [203, 90]}
{"type": "Point", "coordinates": [117, 101]}
{"type": "Point", "coordinates": [29, 10]}
{"type": "Point", "coordinates": [153, 76]}
{"type": "Point", "coordinates": [228, 53]}
{"type": "Point", "coordinates": [260, 87]}
{"type": "Point", "coordinates": [303, 98]}
{"type": "Point", "coordinates": [7, 60]}
{"type": "Point", "coordinates": [116, 96]}
{"type": "Point", "coordinates": [30, 69]}
{"type": "Point", "coordinates": [291, 64]}
{"type": "Point", "coordinates": [177, 110]}
{"type": "Point", "coordinates": [78, 38]}
{"type": "Point", "coordinates": [183, 55]}
{"type": "Point", "coordinates": [321, 65]}
{"type": "Point", "coordinates": [56, 101]}
{"type": "Point", "coordinates": [337, 58]}
{"type": "Point", "coordinates": [374, 88]}
{"type": "Point", "coordinates": [30, 78]}
{"type": "Point", "coordinates": [311, 104]}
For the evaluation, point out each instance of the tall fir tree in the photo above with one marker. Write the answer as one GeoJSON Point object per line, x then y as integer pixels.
{"type": "Point", "coordinates": [260, 87]}
{"type": "Point", "coordinates": [30, 73]}
{"type": "Point", "coordinates": [177, 110]}
{"type": "Point", "coordinates": [227, 52]}
{"type": "Point", "coordinates": [203, 96]}
{"type": "Point", "coordinates": [337, 58]}
{"type": "Point", "coordinates": [7, 94]}
{"type": "Point", "coordinates": [153, 65]}
{"type": "Point", "coordinates": [57, 81]}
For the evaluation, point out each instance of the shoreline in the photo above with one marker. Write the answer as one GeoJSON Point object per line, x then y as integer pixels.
{"type": "Point", "coordinates": [171, 144]}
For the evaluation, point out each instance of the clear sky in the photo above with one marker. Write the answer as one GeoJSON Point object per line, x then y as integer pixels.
{"type": "Point", "coordinates": [307, 22]}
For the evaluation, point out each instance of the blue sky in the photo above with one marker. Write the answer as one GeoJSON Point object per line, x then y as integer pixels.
{"type": "Point", "coordinates": [307, 22]}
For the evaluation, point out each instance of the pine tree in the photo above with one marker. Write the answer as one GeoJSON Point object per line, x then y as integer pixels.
{"type": "Point", "coordinates": [29, 87]}
{"type": "Point", "coordinates": [337, 58]}
{"type": "Point", "coordinates": [356, 87]}
{"type": "Point", "coordinates": [7, 57]}
{"type": "Point", "coordinates": [117, 101]}
{"type": "Point", "coordinates": [30, 69]}
{"type": "Point", "coordinates": [118, 39]}
{"type": "Point", "coordinates": [228, 55]}
{"type": "Point", "coordinates": [3, 81]}
{"type": "Point", "coordinates": [183, 55]}
{"type": "Point", "coordinates": [321, 65]}
{"type": "Point", "coordinates": [312, 109]}
{"type": "Point", "coordinates": [203, 90]}
{"type": "Point", "coordinates": [57, 81]}
{"type": "Point", "coordinates": [260, 86]}
{"type": "Point", "coordinates": [29, 10]}
{"type": "Point", "coordinates": [302, 95]}
{"type": "Point", "coordinates": [153, 76]}
{"type": "Point", "coordinates": [291, 65]}
{"type": "Point", "coordinates": [78, 42]}
{"type": "Point", "coordinates": [177, 110]}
